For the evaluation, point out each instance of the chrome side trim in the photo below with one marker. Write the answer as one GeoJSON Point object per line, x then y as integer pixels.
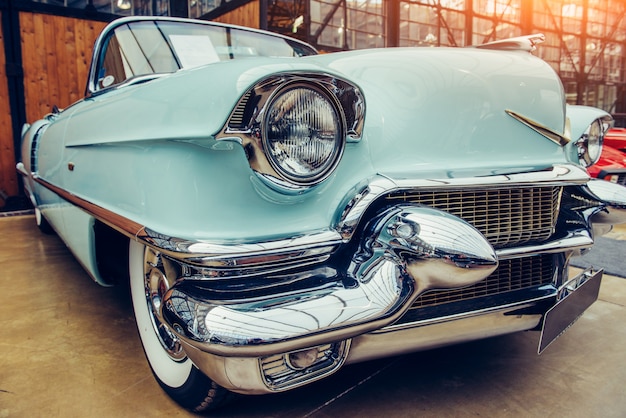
{"type": "Point", "coordinates": [119, 223]}
{"type": "Point", "coordinates": [318, 245]}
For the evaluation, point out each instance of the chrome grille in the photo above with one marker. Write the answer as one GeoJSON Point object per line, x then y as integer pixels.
{"type": "Point", "coordinates": [513, 274]}
{"type": "Point", "coordinates": [506, 217]}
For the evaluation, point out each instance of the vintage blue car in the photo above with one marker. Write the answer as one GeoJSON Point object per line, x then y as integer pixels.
{"type": "Point", "coordinates": [280, 214]}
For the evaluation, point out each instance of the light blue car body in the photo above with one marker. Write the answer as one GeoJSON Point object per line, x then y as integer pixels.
{"type": "Point", "coordinates": [158, 162]}
{"type": "Point", "coordinates": [148, 151]}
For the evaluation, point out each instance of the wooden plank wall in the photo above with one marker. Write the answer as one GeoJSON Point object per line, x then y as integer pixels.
{"type": "Point", "coordinates": [8, 176]}
{"type": "Point", "coordinates": [246, 15]}
{"type": "Point", "coordinates": [56, 53]}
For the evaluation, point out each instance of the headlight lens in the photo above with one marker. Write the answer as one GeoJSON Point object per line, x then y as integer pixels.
{"type": "Point", "coordinates": [303, 134]}
{"type": "Point", "coordinates": [590, 144]}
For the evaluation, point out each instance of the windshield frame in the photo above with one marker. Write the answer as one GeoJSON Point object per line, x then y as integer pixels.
{"type": "Point", "coordinates": [108, 32]}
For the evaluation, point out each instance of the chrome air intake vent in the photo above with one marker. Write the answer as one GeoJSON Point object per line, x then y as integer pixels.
{"type": "Point", "coordinates": [238, 119]}
{"type": "Point", "coordinates": [280, 372]}
{"type": "Point", "coordinates": [506, 217]}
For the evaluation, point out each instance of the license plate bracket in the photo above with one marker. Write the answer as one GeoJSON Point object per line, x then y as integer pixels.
{"type": "Point", "coordinates": [575, 297]}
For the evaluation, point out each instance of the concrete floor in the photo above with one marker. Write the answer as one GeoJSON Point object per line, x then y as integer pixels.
{"type": "Point", "coordinates": [68, 348]}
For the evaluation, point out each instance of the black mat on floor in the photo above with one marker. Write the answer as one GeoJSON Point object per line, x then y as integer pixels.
{"type": "Point", "coordinates": [606, 253]}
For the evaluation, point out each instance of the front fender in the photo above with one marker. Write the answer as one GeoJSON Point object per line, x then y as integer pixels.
{"type": "Point", "coordinates": [579, 118]}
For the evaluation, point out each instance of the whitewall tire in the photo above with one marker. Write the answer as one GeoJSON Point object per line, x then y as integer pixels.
{"type": "Point", "coordinates": [176, 374]}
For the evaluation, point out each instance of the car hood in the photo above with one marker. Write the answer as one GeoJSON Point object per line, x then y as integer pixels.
{"type": "Point", "coordinates": [449, 105]}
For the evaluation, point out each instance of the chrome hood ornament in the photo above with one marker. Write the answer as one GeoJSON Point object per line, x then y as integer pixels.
{"type": "Point", "coordinates": [521, 43]}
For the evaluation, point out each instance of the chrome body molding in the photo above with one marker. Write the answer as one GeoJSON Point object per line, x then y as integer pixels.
{"type": "Point", "coordinates": [316, 246]}
{"type": "Point", "coordinates": [558, 138]}
{"type": "Point", "coordinates": [406, 251]}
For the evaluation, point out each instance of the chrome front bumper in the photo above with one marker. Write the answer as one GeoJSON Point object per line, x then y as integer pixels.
{"type": "Point", "coordinates": [249, 376]}
{"type": "Point", "coordinates": [254, 344]}
{"type": "Point", "coordinates": [274, 373]}
{"type": "Point", "coordinates": [406, 251]}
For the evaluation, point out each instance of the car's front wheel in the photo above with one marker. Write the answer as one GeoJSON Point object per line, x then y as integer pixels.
{"type": "Point", "coordinates": [42, 223]}
{"type": "Point", "coordinates": [176, 374]}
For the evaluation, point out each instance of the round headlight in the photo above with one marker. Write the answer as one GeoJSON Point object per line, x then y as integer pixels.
{"type": "Point", "coordinates": [303, 134]}
{"type": "Point", "coordinates": [590, 144]}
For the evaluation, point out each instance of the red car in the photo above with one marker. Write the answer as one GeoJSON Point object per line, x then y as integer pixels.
{"type": "Point", "coordinates": [612, 163]}
{"type": "Point", "coordinates": [616, 136]}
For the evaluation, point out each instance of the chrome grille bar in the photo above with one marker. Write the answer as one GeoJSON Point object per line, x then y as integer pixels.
{"type": "Point", "coordinates": [506, 217]}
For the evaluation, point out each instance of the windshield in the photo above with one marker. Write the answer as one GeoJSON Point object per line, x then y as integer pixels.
{"type": "Point", "coordinates": [145, 48]}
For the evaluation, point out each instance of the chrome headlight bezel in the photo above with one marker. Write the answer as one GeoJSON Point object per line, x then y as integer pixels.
{"type": "Point", "coordinates": [589, 145]}
{"type": "Point", "coordinates": [303, 122]}
{"type": "Point", "coordinates": [247, 125]}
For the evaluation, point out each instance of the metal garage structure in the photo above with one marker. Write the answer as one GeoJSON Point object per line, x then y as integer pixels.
{"type": "Point", "coordinates": [45, 45]}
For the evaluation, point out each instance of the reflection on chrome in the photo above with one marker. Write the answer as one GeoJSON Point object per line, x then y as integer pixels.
{"type": "Point", "coordinates": [405, 251]}
{"type": "Point", "coordinates": [613, 196]}
{"type": "Point", "coordinates": [438, 250]}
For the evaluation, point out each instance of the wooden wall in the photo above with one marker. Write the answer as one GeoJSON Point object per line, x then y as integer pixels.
{"type": "Point", "coordinates": [56, 54]}
{"type": "Point", "coordinates": [8, 177]}
{"type": "Point", "coordinates": [246, 15]}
